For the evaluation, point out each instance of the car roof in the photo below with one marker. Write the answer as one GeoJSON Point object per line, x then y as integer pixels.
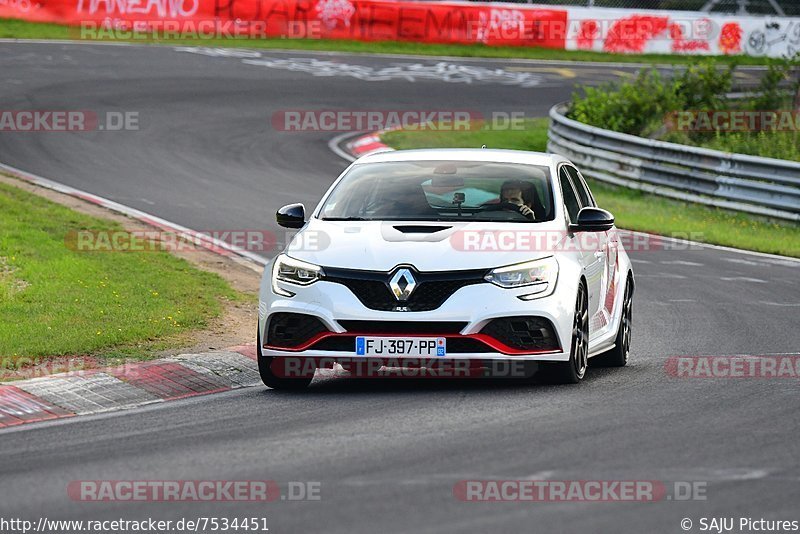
{"type": "Point", "coordinates": [463, 154]}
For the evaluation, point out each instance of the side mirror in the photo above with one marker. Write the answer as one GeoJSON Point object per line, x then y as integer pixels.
{"type": "Point", "coordinates": [593, 220]}
{"type": "Point", "coordinates": [291, 216]}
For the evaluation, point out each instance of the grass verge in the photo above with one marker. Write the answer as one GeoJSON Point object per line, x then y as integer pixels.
{"type": "Point", "coordinates": [19, 29]}
{"type": "Point", "coordinates": [55, 300]}
{"type": "Point", "coordinates": [633, 210]}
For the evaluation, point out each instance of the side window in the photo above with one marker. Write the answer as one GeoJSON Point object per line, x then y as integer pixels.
{"type": "Point", "coordinates": [580, 185]}
{"type": "Point", "coordinates": [570, 200]}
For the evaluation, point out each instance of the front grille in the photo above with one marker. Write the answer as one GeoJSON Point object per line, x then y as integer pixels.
{"type": "Point", "coordinates": [428, 296]}
{"type": "Point", "coordinates": [523, 333]}
{"type": "Point", "coordinates": [291, 330]}
{"type": "Point", "coordinates": [438, 328]}
{"type": "Point", "coordinates": [433, 289]}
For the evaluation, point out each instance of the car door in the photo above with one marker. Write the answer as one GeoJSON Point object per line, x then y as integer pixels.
{"type": "Point", "coordinates": [593, 247]}
{"type": "Point", "coordinates": [610, 247]}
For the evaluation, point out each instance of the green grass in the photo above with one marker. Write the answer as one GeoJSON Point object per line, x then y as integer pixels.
{"type": "Point", "coordinates": [55, 300]}
{"type": "Point", "coordinates": [649, 213]}
{"type": "Point", "coordinates": [531, 136]}
{"type": "Point", "coordinates": [18, 29]}
{"type": "Point", "coordinates": [633, 210]}
{"type": "Point", "coordinates": [767, 144]}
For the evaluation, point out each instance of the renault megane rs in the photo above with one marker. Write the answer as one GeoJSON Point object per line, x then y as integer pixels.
{"type": "Point", "coordinates": [448, 255]}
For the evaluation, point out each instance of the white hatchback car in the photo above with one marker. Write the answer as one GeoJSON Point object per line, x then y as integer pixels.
{"type": "Point", "coordinates": [445, 255]}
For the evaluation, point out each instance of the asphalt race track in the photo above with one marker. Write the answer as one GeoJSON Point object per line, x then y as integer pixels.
{"type": "Point", "coordinates": [388, 453]}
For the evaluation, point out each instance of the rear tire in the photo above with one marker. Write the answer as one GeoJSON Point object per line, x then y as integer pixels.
{"type": "Point", "coordinates": [618, 356]}
{"type": "Point", "coordinates": [270, 379]}
{"type": "Point", "coordinates": [573, 370]}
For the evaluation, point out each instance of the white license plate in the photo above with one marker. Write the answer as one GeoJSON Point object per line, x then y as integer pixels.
{"type": "Point", "coordinates": [401, 346]}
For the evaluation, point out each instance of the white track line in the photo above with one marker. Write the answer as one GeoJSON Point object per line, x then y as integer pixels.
{"type": "Point", "coordinates": [333, 144]}
{"type": "Point", "coordinates": [566, 62]}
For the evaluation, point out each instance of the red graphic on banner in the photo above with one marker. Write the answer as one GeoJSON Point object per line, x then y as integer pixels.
{"type": "Point", "coordinates": [730, 38]}
{"type": "Point", "coordinates": [587, 34]}
{"type": "Point", "coordinates": [447, 22]}
{"type": "Point", "coordinates": [679, 44]}
{"type": "Point", "coordinates": [332, 13]}
{"type": "Point", "coordinates": [365, 20]}
{"type": "Point", "coordinates": [631, 34]}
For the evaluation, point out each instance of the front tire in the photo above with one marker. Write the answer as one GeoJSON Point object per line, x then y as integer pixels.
{"type": "Point", "coordinates": [573, 370]}
{"type": "Point", "coordinates": [271, 379]}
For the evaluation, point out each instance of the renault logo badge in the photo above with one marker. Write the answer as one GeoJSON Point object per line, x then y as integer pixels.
{"type": "Point", "coordinates": [402, 284]}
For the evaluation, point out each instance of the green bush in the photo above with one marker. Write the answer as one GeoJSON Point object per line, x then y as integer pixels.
{"type": "Point", "coordinates": [633, 106]}
{"type": "Point", "coordinates": [772, 95]}
{"type": "Point", "coordinates": [628, 107]}
{"type": "Point", "coordinates": [703, 86]}
{"type": "Point", "coordinates": [642, 105]}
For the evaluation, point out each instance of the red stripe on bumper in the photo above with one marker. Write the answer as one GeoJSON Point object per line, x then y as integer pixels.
{"type": "Point", "coordinates": [491, 342]}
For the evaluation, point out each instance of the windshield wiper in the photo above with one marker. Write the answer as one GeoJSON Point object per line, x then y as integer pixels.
{"type": "Point", "coordinates": [344, 219]}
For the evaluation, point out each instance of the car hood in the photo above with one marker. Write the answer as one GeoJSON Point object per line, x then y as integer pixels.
{"type": "Point", "coordinates": [428, 246]}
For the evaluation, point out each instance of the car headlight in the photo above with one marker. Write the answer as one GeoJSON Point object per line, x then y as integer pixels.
{"type": "Point", "coordinates": [292, 271]}
{"type": "Point", "coordinates": [539, 275]}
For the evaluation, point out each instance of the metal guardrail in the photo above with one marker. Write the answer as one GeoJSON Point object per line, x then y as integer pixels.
{"type": "Point", "coordinates": [751, 184]}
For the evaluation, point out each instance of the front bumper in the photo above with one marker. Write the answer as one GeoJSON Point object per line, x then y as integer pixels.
{"type": "Point", "coordinates": [471, 308]}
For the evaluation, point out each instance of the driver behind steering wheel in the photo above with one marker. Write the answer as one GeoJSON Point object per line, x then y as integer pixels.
{"type": "Point", "coordinates": [519, 194]}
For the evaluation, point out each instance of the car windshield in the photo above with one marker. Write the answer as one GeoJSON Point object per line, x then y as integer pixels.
{"type": "Point", "coordinates": [442, 191]}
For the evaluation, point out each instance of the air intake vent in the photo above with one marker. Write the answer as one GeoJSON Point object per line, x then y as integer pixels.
{"type": "Point", "coordinates": [420, 229]}
{"type": "Point", "coordinates": [523, 333]}
{"type": "Point", "coordinates": [290, 330]}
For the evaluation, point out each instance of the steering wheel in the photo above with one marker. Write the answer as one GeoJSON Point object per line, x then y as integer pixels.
{"type": "Point", "coordinates": [504, 206]}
